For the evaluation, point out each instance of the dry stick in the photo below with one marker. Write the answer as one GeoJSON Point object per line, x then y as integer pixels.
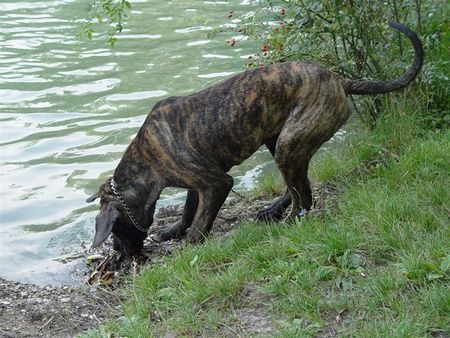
{"type": "Point", "coordinates": [227, 219]}
{"type": "Point", "coordinates": [358, 112]}
{"type": "Point", "coordinates": [336, 51]}
{"type": "Point", "coordinates": [398, 33]}
{"type": "Point", "coordinates": [109, 293]}
{"type": "Point", "coordinates": [419, 16]}
{"type": "Point", "coordinates": [344, 45]}
{"type": "Point", "coordinates": [104, 302]}
{"type": "Point", "coordinates": [234, 191]}
{"type": "Point", "coordinates": [46, 323]}
{"type": "Point", "coordinates": [321, 17]}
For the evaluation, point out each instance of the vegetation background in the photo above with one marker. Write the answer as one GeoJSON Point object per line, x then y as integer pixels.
{"type": "Point", "coordinates": [376, 261]}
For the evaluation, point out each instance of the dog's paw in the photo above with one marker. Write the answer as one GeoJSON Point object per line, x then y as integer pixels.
{"type": "Point", "coordinates": [269, 214]}
{"type": "Point", "coordinates": [175, 231]}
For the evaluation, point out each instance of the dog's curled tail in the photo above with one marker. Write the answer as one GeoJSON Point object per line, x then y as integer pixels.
{"type": "Point", "coordinates": [380, 87]}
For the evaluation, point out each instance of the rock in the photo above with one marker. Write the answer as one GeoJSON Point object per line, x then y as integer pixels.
{"type": "Point", "coordinates": [34, 300]}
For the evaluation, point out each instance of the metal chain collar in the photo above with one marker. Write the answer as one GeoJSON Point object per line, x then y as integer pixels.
{"type": "Point", "coordinates": [112, 185]}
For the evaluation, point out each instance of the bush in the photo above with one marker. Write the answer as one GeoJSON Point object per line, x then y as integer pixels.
{"type": "Point", "coordinates": [353, 39]}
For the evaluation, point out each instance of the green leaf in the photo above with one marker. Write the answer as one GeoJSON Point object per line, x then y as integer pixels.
{"type": "Point", "coordinates": [445, 264]}
{"type": "Point", "coordinates": [112, 41]}
{"type": "Point", "coordinates": [166, 293]}
{"type": "Point", "coordinates": [325, 272]}
{"type": "Point", "coordinates": [194, 261]}
{"type": "Point", "coordinates": [344, 283]}
{"type": "Point", "coordinates": [355, 261]}
{"type": "Point", "coordinates": [434, 276]}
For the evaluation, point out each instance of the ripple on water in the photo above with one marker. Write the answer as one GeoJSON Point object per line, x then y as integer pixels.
{"type": "Point", "coordinates": [188, 30]}
{"type": "Point", "coordinates": [14, 96]}
{"type": "Point", "coordinates": [24, 79]}
{"type": "Point", "coordinates": [137, 95]}
{"type": "Point", "coordinates": [139, 36]}
{"type": "Point", "coordinates": [214, 75]}
{"type": "Point", "coordinates": [198, 43]}
{"type": "Point", "coordinates": [216, 56]}
{"type": "Point", "coordinates": [96, 70]}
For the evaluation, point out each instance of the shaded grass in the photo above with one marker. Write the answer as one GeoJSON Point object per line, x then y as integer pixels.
{"type": "Point", "coordinates": [269, 185]}
{"type": "Point", "coordinates": [377, 264]}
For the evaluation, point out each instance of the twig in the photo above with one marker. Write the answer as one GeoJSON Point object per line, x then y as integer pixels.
{"type": "Point", "coordinates": [104, 301]}
{"type": "Point", "coordinates": [384, 150]}
{"type": "Point", "coordinates": [419, 16]}
{"type": "Point", "coordinates": [396, 15]}
{"type": "Point", "coordinates": [46, 323]}
{"type": "Point", "coordinates": [108, 292]}
{"type": "Point", "coordinates": [227, 219]}
{"type": "Point", "coordinates": [6, 334]}
{"type": "Point", "coordinates": [240, 195]}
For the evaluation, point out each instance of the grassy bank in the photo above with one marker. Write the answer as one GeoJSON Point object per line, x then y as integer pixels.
{"type": "Point", "coordinates": [375, 263]}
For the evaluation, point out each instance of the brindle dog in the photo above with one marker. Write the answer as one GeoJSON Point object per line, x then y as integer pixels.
{"type": "Point", "coordinates": [193, 141]}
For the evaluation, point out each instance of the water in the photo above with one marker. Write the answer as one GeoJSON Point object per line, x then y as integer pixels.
{"type": "Point", "coordinates": [70, 108]}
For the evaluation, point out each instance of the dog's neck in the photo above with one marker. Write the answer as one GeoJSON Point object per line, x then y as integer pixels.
{"type": "Point", "coordinates": [139, 185]}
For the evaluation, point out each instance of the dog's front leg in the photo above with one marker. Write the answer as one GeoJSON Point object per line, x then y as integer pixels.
{"type": "Point", "coordinates": [178, 230]}
{"type": "Point", "coordinates": [210, 199]}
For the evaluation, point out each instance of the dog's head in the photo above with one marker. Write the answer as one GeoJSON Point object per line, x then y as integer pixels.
{"type": "Point", "coordinates": [114, 219]}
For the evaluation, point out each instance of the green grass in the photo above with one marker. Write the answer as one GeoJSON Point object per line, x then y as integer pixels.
{"type": "Point", "coordinates": [269, 185]}
{"type": "Point", "coordinates": [376, 264]}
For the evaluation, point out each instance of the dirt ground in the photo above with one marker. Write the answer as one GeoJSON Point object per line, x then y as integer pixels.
{"type": "Point", "coordinates": [33, 311]}
{"type": "Point", "coordinates": [28, 310]}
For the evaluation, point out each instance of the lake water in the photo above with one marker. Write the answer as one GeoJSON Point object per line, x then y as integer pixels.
{"type": "Point", "coordinates": [69, 108]}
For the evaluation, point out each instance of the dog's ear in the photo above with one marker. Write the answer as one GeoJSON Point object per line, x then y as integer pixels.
{"type": "Point", "coordinates": [104, 223]}
{"type": "Point", "coordinates": [98, 194]}
{"type": "Point", "coordinates": [93, 197]}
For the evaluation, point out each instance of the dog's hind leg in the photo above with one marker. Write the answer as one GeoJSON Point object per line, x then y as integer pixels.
{"type": "Point", "coordinates": [274, 211]}
{"type": "Point", "coordinates": [302, 135]}
{"type": "Point", "coordinates": [296, 178]}
{"type": "Point", "coordinates": [178, 230]}
{"type": "Point", "coordinates": [211, 196]}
